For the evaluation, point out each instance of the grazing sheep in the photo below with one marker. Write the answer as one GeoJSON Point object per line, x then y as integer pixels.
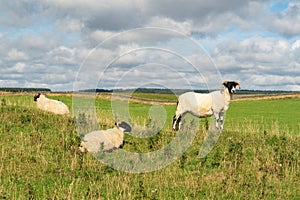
{"type": "Point", "coordinates": [205, 105]}
{"type": "Point", "coordinates": [51, 105]}
{"type": "Point", "coordinates": [105, 140]}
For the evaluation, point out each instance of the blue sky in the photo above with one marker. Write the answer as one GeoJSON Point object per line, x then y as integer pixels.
{"type": "Point", "coordinates": [278, 7]}
{"type": "Point", "coordinates": [58, 44]}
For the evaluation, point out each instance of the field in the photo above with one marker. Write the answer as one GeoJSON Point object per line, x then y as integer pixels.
{"type": "Point", "coordinates": [257, 156]}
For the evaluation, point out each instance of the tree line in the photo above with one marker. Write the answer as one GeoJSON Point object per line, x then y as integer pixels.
{"type": "Point", "coordinates": [180, 91]}
{"type": "Point", "coordinates": [19, 89]}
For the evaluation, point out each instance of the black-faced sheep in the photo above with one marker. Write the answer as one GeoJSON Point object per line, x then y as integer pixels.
{"type": "Point", "coordinates": [51, 105]}
{"type": "Point", "coordinates": [205, 105]}
{"type": "Point", "coordinates": [105, 140]}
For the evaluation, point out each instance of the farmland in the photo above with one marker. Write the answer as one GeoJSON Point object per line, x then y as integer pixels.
{"type": "Point", "coordinates": [256, 156]}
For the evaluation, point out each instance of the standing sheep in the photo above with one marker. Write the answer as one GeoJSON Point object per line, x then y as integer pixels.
{"type": "Point", "coordinates": [105, 140]}
{"type": "Point", "coordinates": [51, 105]}
{"type": "Point", "coordinates": [205, 105]}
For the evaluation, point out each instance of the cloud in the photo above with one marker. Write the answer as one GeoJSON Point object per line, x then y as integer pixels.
{"type": "Point", "coordinates": [190, 9]}
{"type": "Point", "coordinates": [105, 15]}
{"type": "Point", "coordinates": [18, 68]}
{"type": "Point", "coordinates": [285, 23]}
{"type": "Point", "coordinates": [296, 45]}
{"type": "Point", "coordinates": [114, 16]}
{"type": "Point", "coordinates": [62, 55]}
{"type": "Point", "coordinates": [184, 27]}
{"type": "Point", "coordinates": [69, 24]}
{"type": "Point", "coordinates": [16, 55]}
{"type": "Point", "coordinates": [44, 43]}
{"type": "Point", "coordinates": [16, 13]}
{"type": "Point", "coordinates": [260, 62]}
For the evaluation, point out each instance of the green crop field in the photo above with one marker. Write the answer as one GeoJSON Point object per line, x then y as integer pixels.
{"type": "Point", "coordinates": [257, 156]}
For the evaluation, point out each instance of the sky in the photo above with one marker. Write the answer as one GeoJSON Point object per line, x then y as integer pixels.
{"type": "Point", "coordinates": [68, 45]}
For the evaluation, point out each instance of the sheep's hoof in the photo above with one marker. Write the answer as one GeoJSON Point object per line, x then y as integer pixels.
{"type": "Point", "coordinates": [219, 128]}
{"type": "Point", "coordinates": [175, 128]}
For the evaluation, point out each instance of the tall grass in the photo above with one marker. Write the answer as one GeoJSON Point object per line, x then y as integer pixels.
{"type": "Point", "coordinates": [256, 157]}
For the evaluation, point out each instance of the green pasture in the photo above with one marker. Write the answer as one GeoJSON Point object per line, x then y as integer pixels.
{"type": "Point", "coordinates": [165, 97]}
{"type": "Point", "coordinates": [255, 157]}
{"type": "Point", "coordinates": [281, 115]}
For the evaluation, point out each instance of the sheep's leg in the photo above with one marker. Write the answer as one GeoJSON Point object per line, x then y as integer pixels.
{"type": "Point", "coordinates": [177, 119]}
{"type": "Point", "coordinates": [180, 122]}
{"type": "Point", "coordinates": [217, 118]}
{"type": "Point", "coordinates": [221, 120]}
{"type": "Point", "coordinates": [176, 122]}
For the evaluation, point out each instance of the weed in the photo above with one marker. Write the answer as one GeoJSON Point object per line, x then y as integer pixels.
{"type": "Point", "coordinates": [183, 159]}
{"type": "Point", "coordinates": [3, 102]}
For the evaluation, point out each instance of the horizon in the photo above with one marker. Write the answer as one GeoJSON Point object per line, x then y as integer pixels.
{"type": "Point", "coordinates": [29, 89]}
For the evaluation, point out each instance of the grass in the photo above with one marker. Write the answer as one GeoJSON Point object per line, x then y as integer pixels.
{"type": "Point", "coordinates": [268, 114]}
{"type": "Point", "coordinates": [256, 156]}
{"type": "Point", "coordinates": [166, 97]}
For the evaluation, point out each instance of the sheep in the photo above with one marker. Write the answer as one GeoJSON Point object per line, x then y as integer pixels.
{"type": "Point", "coordinates": [205, 105]}
{"type": "Point", "coordinates": [105, 140]}
{"type": "Point", "coordinates": [51, 105]}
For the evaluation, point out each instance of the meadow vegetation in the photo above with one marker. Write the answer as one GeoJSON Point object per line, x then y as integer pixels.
{"type": "Point", "coordinates": [255, 157]}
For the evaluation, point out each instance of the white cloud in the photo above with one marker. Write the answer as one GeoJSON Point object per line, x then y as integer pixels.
{"type": "Point", "coordinates": [285, 22]}
{"type": "Point", "coordinates": [100, 35]}
{"type": "Point", "coordinates": [260, 63]}
{"type": "Point", "coordinates": [16, 55]}
{"type": "Point", "coordinates": [62, 55]}
{"type": "Point", "coordinates": [16, 13]}
{"type": "Point", "coordinates": [20, 67]}
{"type": "Point", "coordinates": [296, 45]}
{"type": "Point", "coordinates": [184, 27]}
{"type": "Point", "coordinates": [69, 24]}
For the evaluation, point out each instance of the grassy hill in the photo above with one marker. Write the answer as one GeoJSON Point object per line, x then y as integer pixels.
{"type": "Point", "coordinates": [256, 156]}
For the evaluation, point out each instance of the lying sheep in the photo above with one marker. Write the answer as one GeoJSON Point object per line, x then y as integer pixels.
{"type": "Point", "coordinates": [205, 105]}
{"type": "Point", "coordinates": [105, 140]}
{"type": "Point", "coordinates": [51, 105]}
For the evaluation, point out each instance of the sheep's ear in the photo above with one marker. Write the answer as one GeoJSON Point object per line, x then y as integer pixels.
{"type": "Point", "coordinates": [225, 83]}
{"type": "Point", "coordinates": [36, 97]}
{"type": "Point", "coordinates": [237, 84]}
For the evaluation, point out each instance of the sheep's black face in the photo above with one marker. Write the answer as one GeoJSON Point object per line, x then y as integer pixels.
{"type": "Point", "coordinates": [36, 97]}
{"type": "Point", "coordinates": [125, 126]}
{"type": "Point", "coordinates": [232, 86]}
